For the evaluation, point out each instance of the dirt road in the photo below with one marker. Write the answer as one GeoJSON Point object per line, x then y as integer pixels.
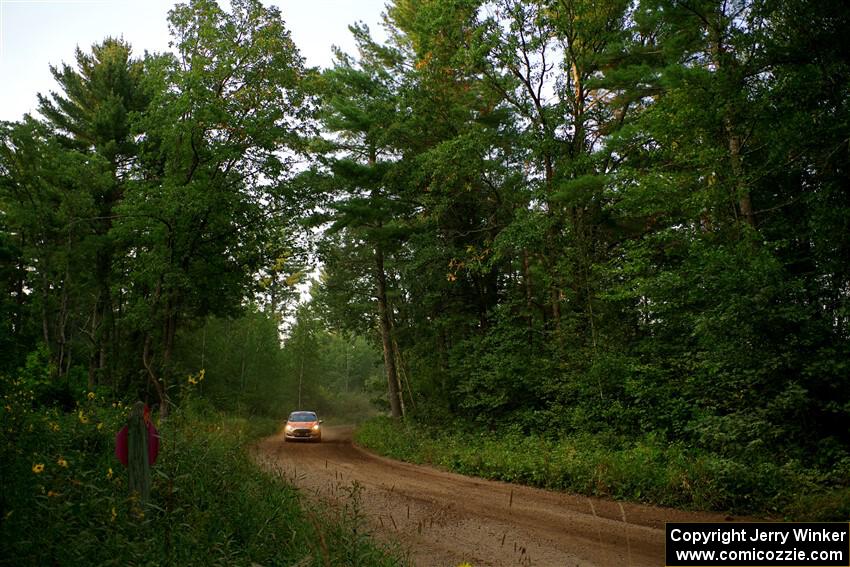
{"type": "Point", "coordinates": [446, 518]}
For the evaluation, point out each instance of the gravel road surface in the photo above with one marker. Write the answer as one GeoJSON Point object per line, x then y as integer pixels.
{"type": "Point", "coordinates": [445, 518]}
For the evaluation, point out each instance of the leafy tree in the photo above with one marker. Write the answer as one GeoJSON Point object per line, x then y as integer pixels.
{"type": "Point", "coordinates": [360, 108]}
{"type": "Point", "coordinates": [154, 194]}
{"type": "Point", "coordinates": [218, 139]}
{"type": "Point", "coordinates": [48, 197]}
{"type": "Point", "coordinates": [93, 115]}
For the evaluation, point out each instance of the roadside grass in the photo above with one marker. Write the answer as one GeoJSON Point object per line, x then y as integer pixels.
{"type": "Point", "coordinates": [64, 498]}
{"type": "Point", "coordinates": [644, 470]}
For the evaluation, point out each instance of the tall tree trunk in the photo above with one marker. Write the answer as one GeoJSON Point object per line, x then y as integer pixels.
{"type": "Point", "coordinates": [733, 139]}
{"type": "Point", "coordinates": [529, 294]}
{"type": "Point", "coordinates": [579, 136]}
{"type": "Point", "coordinates": [147, 360]}
{"type": "Point", "coordinates": [45, 320]}
{"type": "Point", "coordinates": [95, 347]}
{"type": "Point", "coordinates": [68, 360]}
{"type": "Point", "coordinates": [745, 205]}
{"type": "Point", "coordinates": [393, 390]}
{"type": "Point", "coordinates": [62, 325]}
{"type": "Point", "coordinates": [19, 295]}
{"type": "Point", "coordinates": [386, 338]}
{"type": "Point", "coordinates": [551, 254]}
{"type": "Point", "coordinates": [147, 354]}
{"type": "Point", "coordinates": [170, 334]}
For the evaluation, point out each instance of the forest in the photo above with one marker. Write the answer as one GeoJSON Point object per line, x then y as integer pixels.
{"type": "Point", "coordinates": [615, 223]}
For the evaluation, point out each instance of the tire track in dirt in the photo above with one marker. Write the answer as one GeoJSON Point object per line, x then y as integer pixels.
{"type": "Point", "coordinates": [446, 518]}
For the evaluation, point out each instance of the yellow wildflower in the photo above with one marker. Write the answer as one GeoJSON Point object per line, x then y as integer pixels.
{"type": "Point", "coordinates": [38, 468]}
{"type": "Point", "coordinates": [62, 463]}
{"type": "Point", "coordinates": [50, 494]}
{"type": "Point", "coordinates": [54, 426]}
{"type": "Point", "coordinates": [8, 407]}
{"type": "Point", "coordinates": [192, 380]}
{"type": "Point", "coordinates": [91, 395]}
{"type": "Point", "coordinates": [201, 374]}
{"type": "Point", "coordinates": [100, 426]}
{"type": "Point", "coordinates": [114, 514]}
{"type": "Point", "coordinates": [109, 473]}
{"type": "Point", "coordinates": [83, 417]}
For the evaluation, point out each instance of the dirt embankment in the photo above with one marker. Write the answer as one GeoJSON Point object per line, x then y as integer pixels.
{"type": "Point", "coordinates": [446, 518]}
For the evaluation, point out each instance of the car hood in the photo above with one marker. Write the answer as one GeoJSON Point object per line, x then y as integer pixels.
{"type": "Point", "coordinates": [302, 424]}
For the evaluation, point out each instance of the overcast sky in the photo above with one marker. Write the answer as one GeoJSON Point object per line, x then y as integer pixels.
{"type": "Point", "coordinates": [37, 33]}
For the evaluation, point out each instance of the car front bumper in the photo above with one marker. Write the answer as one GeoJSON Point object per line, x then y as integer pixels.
{"type": "Point", "coordinates": [307, 434]}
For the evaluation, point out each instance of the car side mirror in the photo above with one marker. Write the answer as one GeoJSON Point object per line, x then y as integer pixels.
{"type": "Point", "coordinates": [321, 421]}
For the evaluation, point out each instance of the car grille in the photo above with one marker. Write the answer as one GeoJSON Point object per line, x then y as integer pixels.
{"type": "Point", "coordinates": [301, 432]}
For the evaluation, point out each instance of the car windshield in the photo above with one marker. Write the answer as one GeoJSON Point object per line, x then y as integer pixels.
{"type": "Point", "coordinates": [302, 416]}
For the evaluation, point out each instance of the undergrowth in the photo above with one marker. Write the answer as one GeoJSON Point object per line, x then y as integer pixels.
{"type": "Point", "coordinates": [644, 470]}
{"type": "Point", "coordinates": [65, 501]}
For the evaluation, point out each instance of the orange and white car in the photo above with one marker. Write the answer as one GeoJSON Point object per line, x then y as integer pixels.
{"type": "Point", "coordinates": [303, 425]}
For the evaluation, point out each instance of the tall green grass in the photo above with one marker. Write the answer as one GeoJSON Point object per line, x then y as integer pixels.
{"type": "Point", "coordinates": [65, 501]}
{"type": "Point", "coordinates": [643, 470]}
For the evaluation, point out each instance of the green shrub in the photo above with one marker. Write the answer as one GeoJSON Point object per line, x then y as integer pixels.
{"type": "Point", "coordinates": [646, 469]}
{"type": "Point", "coordinates": [65, 500]}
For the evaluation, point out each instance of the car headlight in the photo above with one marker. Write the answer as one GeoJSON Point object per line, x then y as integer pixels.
{"type": "Point", "coordinates": [316, 427]}
{"type": "Point", "coordinates": [289, 428]}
